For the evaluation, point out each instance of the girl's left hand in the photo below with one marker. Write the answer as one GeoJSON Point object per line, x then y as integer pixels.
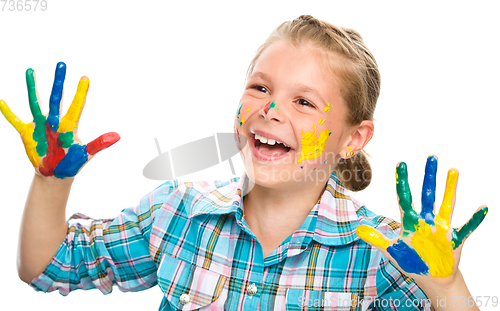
{"type": "Point", "coordinates": [428, 249]}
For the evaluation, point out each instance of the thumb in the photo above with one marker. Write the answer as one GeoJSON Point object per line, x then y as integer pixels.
{"type": "Point", "coordinates": [102, 142]}
{"type": "Point", "coordinates": [404, 256]}
{"type": "Point", "coordinates": [372, 237]}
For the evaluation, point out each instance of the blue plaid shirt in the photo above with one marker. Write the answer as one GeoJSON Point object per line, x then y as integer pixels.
{"type": "Point", "coordinates": [192, 240]}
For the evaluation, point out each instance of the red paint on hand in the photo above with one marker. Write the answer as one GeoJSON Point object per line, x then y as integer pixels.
{"type": "Point", "coordinates": [102, 142]}
{"type": "Point", "coordinates": [55, 153]}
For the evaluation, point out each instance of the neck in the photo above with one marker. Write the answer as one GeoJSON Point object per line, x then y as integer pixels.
{"type": "Point", "coordinates": [275, 213]}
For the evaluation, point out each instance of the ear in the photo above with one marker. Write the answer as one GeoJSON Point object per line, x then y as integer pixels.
{"type": "Point", "coordinates": [360, 136]}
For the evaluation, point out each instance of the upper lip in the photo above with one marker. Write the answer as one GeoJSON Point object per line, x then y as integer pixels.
{"type": "Point", "coordinates": [268, 135]}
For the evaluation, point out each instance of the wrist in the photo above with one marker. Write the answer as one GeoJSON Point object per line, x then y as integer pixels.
{"type": "Point", "coordinates": [448, 295]}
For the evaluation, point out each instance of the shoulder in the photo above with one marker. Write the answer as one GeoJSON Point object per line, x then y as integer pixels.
{"type": "Point", "coordinates": [189, 197]}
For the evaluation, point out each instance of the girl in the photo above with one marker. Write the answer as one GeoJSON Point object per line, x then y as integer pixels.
{"type": "Point", "coordinates": [285, 236]}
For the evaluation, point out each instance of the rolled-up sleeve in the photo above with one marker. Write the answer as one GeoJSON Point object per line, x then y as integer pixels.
{"type": "Point", "coordinates": [100, 253]}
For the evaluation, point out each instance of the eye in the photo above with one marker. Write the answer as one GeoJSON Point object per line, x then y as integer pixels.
{"type": "Point", "coordinates": [260, 88]}
{"type": "Point", "coordinates": [304, 102]}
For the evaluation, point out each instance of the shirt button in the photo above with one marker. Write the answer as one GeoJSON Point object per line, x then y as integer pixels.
{"type": "Point", "coordinates": [184, 299]}
{"type": "Point", "coordinates": [252, 289]}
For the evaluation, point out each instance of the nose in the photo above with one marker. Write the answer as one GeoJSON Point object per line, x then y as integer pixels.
{"type": "Point", "coordinates": [270, 112]}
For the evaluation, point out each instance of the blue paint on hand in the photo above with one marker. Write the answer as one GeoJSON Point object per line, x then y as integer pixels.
{"type": "Point", "coordinates": [69, 166]}
{"type": "Point", "coordinates": [429, 190]}
{"type": "Point", "coordinates": [407, 258]}
{"type": "Point", "coordinates": [56, 96]}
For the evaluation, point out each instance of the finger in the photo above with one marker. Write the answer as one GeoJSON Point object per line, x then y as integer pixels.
{"type": "Point", "coordinates": [372, 236]}
{"type": "Point", "coordinates": [70, 121]}
{"type": "Point", "coordinates": [446, 210]}
{"type": "Point", "coordinates": [19, 125]}
{"type": "Point", "coordinates": [26, 131]}
{"type": "Point", "coordinates": [33, 96]}
{"type": "Point", "coordinates": [39, 119]}
{"type": "Point", "coordinates": [461, 234]}
{"type": "Point", "coordinates": [71, 164]}
{"type": "Point", "coordinates": [56, 96]}
{"type": "Point", "coordinates": [429, 190]}
{"type": "Point", "coordinates": [102, 142]}
{"type": "Point", "coordinates": [410, 217]}
{"type": "Point", "coordinates": [406, 257]}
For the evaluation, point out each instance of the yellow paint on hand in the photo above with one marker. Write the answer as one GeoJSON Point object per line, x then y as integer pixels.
{"type": "Point", "coordinates": [327, 108]}
{"type": "Point", "coordinates": [70, 120]}
{"type": "Point", "coordinates": [443, 217]}
{"type": "Point", "coordinates": [434, 248]}
{"type": "Point", "coordinates": [372, 236]}
{"type": "Point", "coordinates": [30, 145]}
{"type": "Point", "coordinates": [312, 146]}
{"type": "Point", "coordinates": [26, 132]}
{"type": "Point", "coordinates": [321, 121]}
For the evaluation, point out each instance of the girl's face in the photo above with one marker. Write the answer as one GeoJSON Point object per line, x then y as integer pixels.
{"type": "Point", "coordinates": [291, 98]}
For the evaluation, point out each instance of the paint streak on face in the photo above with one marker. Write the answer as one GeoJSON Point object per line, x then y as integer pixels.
{"type": "Point", "coordinates": [239, 116]}
{"type": "Point", "coordinates": [327, 108]}
{"type": "Point", "coordinates": [312, 146]}
{"type": "Point", "coordinates": [270, 106]}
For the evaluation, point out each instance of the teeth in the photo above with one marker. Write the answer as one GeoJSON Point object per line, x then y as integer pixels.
{"type": "Point", "coordinates": [269, 141]}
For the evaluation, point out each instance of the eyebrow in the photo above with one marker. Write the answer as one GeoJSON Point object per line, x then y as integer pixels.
{"type": "Point", "coordinates": [261, 75]}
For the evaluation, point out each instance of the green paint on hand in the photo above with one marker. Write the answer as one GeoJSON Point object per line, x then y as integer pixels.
{"type": "Point", "coordinates": [459, 235]}
{"type": "Point", "coordinates": [66, 139]}
{"type": "Point", "coordinates": [39, 134]}
{"type": "Point", "coordinates": [410, 217]}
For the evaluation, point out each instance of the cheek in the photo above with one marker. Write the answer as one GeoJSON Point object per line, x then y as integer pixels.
{"type": "Point", "coordinates": [314, 140]}
{"type": "Point", "coordinates": [243, 113]}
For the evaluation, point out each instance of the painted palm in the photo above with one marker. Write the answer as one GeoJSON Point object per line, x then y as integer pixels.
{"type": "Point", "coordinates": [51, 142]}
{"type": "Point", "coordinates": [427, 244]}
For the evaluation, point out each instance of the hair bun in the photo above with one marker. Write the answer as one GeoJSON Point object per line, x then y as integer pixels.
{"type": "Point", "coordinates": [355, 173]}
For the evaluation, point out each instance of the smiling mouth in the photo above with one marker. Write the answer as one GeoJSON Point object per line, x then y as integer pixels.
{"type": "Point", "coordinates": [268, 149]}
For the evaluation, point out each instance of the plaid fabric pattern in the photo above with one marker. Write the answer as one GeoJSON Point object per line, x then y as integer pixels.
{"type": "Point", "coordinates": [193, 241]}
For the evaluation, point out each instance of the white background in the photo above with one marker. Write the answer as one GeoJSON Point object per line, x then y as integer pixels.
{"type": "Point", "coordinates": [175, 70]}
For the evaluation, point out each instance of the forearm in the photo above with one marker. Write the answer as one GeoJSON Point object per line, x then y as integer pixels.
{"type": "Point", "coordinates": [43, 225]}
{"type": "Point", "coordinates": [450, 297]}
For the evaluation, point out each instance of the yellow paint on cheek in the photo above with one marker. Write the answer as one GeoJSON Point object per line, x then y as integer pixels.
{"type": "Point", "coordinates": [312, 146]}
{"type": "Point", "coordinates": [327, 108]}
{"type": "Point", "coordinates": [372, 236]}
{"type": "Point", "coordinates": [248, 109]}
{"type": "Point", "coordinates": [30, 145]}
{"type": "Point", "coordinates": [242, 120]}
{"type": "Point", "coordinates": [321, 121]}
{"type": "Point", "coordinates": [434, 248]}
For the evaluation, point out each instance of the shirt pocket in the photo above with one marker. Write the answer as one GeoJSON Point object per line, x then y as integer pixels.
{"type": "Point", "coordinates": [187, 286]}
{"type": "Point", "coordinates": [312, 300]}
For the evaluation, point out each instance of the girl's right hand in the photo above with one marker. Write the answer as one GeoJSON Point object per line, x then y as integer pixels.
{"type": "Point", "coordinates": [51, 143]}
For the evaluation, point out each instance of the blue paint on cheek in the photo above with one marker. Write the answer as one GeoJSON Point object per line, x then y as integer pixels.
{"type": "Point", "coordinates": [76, 157]}
{"type": "Point", "coordinates": [429, 190]}
{"type": "Point", "coordinates": [407, 258]}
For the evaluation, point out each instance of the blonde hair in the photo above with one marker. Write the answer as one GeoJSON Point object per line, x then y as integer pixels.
{"type": "Point", "coordinates": [357, 70]}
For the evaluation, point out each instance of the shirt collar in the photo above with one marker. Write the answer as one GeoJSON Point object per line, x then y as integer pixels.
{"type": "Point", "coordinates": [333, 220]}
